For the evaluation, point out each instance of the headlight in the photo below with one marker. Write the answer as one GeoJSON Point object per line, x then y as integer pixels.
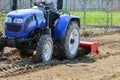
{"type": "Point", "coordinates": [18, 20]}
{"type": "Point", "coordinates": [8, 19]}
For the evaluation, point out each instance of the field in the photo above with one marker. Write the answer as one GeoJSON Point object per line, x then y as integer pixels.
{"type": "Point", "coordinates": [98, 18]}
{"type": "Point", "coordinates": [102, 66]}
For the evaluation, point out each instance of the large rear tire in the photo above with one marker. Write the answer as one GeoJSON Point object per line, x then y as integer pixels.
{"type": "Point", "coordinates": [69, 45]}
{"type": "Point", "coordinates": [44, 49]}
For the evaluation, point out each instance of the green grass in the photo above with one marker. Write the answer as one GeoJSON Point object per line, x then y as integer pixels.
{"type": "Point", "coordinates": [2, 19]}
{"type": "Point", "coordinates": [3, 15]}
{"type": "Point", "coordinates": [98, 18]}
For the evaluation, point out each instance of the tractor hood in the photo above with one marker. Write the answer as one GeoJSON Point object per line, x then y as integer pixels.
{"type": "Point", "coordinates": [20, 23]}
{"type": "Point", "coordinates": [24, 12]}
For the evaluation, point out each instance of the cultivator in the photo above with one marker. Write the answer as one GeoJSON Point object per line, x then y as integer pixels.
{"type": "Point", "coordinates": [93, 46]}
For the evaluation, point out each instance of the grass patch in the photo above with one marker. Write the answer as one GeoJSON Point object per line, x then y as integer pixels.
{"type": "Point", "coordinates": [98, 18]}
{"type": "Point", "coordinates": [2, 20]}
{"type": "Point", "coordinates": [2, 16]}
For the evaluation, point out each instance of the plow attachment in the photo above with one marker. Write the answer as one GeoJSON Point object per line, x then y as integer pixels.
{"type": "Point", "coordinates": [93, 46]}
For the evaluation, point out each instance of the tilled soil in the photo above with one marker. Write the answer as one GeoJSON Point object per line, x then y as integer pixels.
{"type": "Point", "coordinates": [102, 66]}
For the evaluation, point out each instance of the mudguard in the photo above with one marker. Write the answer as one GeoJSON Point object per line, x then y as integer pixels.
{"type": "Point", "coordinates": [62, 24]}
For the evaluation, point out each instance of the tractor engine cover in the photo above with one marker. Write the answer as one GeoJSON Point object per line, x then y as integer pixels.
{"type": "Point", "coordinates": [20, 23]}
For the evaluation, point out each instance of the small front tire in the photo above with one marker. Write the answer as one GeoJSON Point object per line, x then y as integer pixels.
{"type": "Point", "coordinates": [44, 49]}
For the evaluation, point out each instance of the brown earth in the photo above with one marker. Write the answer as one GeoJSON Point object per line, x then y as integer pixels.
{"type": "Point", "coordinates": [102, 66]}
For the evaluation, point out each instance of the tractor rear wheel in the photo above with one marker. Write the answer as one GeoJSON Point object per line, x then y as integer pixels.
{"type": "Point", "coordinates": [44, 49]}
{"type": "Point", "coordinates": [69, 45]}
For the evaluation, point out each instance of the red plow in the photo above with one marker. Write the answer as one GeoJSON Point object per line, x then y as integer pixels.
{"type": "Point", "coordinates": [93, 46]}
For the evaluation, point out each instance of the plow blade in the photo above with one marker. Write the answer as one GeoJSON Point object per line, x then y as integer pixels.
{"type": "Point", "coordinates": [92, 45]}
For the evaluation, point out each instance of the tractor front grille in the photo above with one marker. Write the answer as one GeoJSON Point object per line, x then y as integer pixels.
{"type": "Point", "coordinates": [13, 28]}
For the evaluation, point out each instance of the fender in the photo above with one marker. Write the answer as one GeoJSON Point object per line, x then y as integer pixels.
{"type": "Point", "coordinates": [62, 24]}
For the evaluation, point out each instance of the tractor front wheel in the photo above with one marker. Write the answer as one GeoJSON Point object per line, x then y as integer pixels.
{"type": "Point", "coordinates": [44, 49]}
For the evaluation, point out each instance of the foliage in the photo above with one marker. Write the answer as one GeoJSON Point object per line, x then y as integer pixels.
{"type": "Point", "coordinates": [2, 16]}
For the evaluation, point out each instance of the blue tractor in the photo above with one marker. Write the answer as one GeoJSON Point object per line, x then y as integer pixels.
{"type": "Point", "coordinates": [29, 29]}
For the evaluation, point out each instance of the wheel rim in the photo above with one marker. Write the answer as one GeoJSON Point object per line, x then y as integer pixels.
{"type": "Point", "coordinates": [73, 41]}
{"type": "Point", "coordinates": [48, 51]}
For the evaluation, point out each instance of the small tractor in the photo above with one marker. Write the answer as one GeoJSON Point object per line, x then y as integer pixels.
{"type": "Point", "coordinates": [29, 29]}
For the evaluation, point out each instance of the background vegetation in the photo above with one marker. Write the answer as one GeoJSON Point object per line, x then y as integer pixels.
{"type": "Point", "coordinates": [98, 18]}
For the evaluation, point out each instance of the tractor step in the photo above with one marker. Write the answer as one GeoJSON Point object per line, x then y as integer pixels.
{"type": "Point", "coordinates": [93, 46]}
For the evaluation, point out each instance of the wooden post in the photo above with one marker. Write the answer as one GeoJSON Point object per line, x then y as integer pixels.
{"type": "Point", "coordinates": [84, 14]}
{"type": "Point", "coordinates": [31, 3]}
{"type": "Point", "coordinates": [107, 15]}
{"type": "Point", "coordinates": [111, 11]}
{"type": "Point", "coordinates": [73, 5]}
{"type": "Point", "coordinates": [14, 7]}
{"type": "Point", "coordinates": [0, 5]}
{"type": "Point", "coordinates": [20, 4]}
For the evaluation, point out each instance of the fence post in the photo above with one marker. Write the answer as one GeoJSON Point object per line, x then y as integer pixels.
{"type": "Point", "coordinates": [84, 14]}
{"type": "Point", "coordinates": [107, 15]}
{"type": "Point", "coordinates": [31, 3]}
{"type": "Point", "coordinates": [73, 7]}
{"type": "Point", "coordinates": [0, 5]}
{"type": "Point", "coordinates": [111, 11]}
{"type": "Point", "coordinates": [14, 7]}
